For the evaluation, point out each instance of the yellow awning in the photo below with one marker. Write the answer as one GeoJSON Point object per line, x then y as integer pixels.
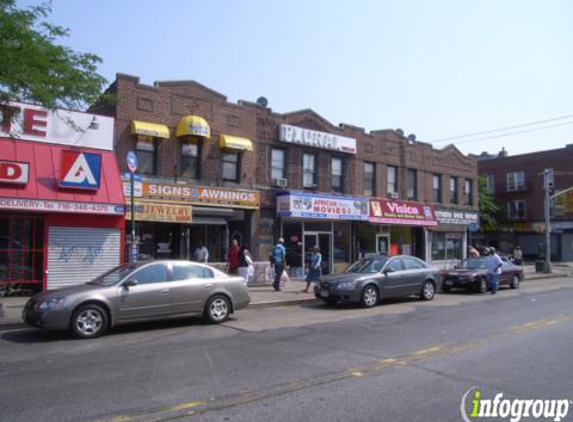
{"type": "Point", "coordinates": [234, 142]}
{"type": "Point", "coordinates": [194, 126]}
{"type": "Point", "coordinates": [149, 129]}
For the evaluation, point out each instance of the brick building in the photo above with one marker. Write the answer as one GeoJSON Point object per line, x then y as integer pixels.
{"type": "Point", "coordinates": [250, 173]}
{"type": "Point", "coordinates": [517, 183]}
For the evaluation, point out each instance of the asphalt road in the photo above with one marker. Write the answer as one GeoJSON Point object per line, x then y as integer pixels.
{"type": "Point", "coordinates": [401, 361]}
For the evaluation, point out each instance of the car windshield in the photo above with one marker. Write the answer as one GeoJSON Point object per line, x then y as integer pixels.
{"type": "Point", "coordinates": [113, 276]}
{"type": "Point", "coordinates": [367, 265]}
{"type": "Point", "coordinates": [474, 263]}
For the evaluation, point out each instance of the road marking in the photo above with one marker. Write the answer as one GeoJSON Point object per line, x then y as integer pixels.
{"type": "Point", "coordinates": [247, 397]}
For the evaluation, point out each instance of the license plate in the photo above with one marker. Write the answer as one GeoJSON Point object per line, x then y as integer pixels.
{"type": "Point", "coordinates": [448, 282]}
{"type": "Point", "coordinates": [324, 293]}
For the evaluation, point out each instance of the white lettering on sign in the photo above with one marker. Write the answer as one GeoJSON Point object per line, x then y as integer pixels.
{"type": "Point", "coordinates": [313, 138]}
{"type": "Point", "coordinates": [403, 209]}
{"type": "Point", "coordinates": [14, 172]}
{"type": "Point", "coordinates": [60, 206]}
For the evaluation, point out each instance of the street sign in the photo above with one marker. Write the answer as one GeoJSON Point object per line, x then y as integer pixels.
{"type": "Point", "coordinates": [131, 161]}
{"type": "Point", "coordinates": [473, 227]}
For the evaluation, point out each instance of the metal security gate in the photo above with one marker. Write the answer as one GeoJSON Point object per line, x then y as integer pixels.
{"type": "Point", "coordinates": [77, 254]}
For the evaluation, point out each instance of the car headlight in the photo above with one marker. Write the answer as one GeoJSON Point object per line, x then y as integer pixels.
{"type": "Point", "coordinates": [55, 303]}
{"type": "Point", "coordinates": [347, 285]}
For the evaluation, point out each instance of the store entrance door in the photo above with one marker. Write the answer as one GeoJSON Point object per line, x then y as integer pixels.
{"type": "Point", "coordinates": [383, 244]}
{"type": "Point", "coordinates": [323, 240]}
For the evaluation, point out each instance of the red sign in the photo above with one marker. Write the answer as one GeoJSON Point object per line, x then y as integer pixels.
{"type": "Point", "coordinates": [14, 172]}
{"type": "Point", "coordinates": [408, 213]}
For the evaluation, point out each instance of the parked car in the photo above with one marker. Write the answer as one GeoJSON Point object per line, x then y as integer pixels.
{"type": "Point", "coordinates": [370, 279]}
{"type": "Point", "coordinates": [471, 274]}
{"type": "Point", "coordinates": [130, 293]}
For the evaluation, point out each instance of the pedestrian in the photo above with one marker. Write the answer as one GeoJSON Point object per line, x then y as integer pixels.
{"type": "Point", "coordinates": [278, 256]}
{"type": "Point", "coordinates": [201, 253]}
{"type": "Point", "coordinates": [494, 264]}
{"type": "Point", "coordinates": [314, 267]}
{"type": "Point", "coordinates": [233, 257]}
{"type": "Point", "coordinates": [246, 266]}
{"type": "Point", "coordinates": [518, 255]}
{"type": "Point", "coordinates": [474, 253]}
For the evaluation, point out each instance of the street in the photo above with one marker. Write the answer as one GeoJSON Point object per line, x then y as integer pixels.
{"type": "Point", "coordinates": [404, 360]}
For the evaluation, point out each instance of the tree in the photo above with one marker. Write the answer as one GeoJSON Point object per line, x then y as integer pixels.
{"type": "Point", "coordinates": [488, 210]}
{"type": "Point", "coordinates": [36, 69]}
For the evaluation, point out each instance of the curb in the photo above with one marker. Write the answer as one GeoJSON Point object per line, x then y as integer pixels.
{"type": "Point", "coordinates": [12, 326]}
{"type": "Point", "coordinates": [264, 305]}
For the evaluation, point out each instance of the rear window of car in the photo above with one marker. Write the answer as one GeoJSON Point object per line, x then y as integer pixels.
{"type": "Point", "coordinates": [187, 271]}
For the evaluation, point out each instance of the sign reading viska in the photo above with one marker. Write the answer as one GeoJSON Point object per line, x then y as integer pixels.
{"type": "Point", "coordinates": [313, 138]}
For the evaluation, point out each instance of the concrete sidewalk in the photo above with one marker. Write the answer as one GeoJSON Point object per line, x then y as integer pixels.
{"type": "Point", "coordinates": [262, 296]}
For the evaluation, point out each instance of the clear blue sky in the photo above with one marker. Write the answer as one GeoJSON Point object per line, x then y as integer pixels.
{"type": "Point", "coordinates": [434, 68]}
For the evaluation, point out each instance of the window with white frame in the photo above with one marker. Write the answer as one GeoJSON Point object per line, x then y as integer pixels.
{"type": "Point", "coordinates": [412, 184]}
{"type": "Point", "coordinates": [337, 172]}
{"type": "Point", "coordinates": [392, 181]}
{"type": "Point", "coordinates": [369, 179]}
{"type": "Point", "coordinates": [309, 171]}
{"type": "Point", "coordinates": [278, 164]}
{"type": "Point", "coordinates": [515, 180]}
{"type": "Point", "coordinates": [453, 190]}
{"type": "Point", "coordinates": [516, 209]}
{"type": "Point", "coordinates": [469, 191]}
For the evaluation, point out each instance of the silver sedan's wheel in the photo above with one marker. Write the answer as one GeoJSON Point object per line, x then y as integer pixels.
{"type": "Point", "coordinates": [514, 284]}
{"type": "Point", "coordinates": [369, 297]}
{"type": "Point", "coordinates": [218, 309]}
{"type": "Point", "coordinates": [89, 321]}
{"type": "Point", "coordinates": [428, 290]}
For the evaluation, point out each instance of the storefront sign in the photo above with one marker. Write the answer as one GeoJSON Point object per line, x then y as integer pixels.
{"type": "Point", "coordinates": [401, 212]}
{"type": "Point", "coordinates": [137, 185]}
{"type": "Point", "coordinates": [80, 170]}
{"type": "Point", "coordinates": [165, 213]}
{"type": "Point", "coordinates": [457, 217]}
{"type": "Point", "coordinates": [33, 123]}
{"type": "Point", "coordinates": [14, 172]}
{"type": "Point", "coordinates": [306, 205]}
{"type": "Point", "coordinates": [564, 204]}
{"type": "Point", "coordinates": [60, 206]}
{"type": "Point", "coordinates": [313, 138]}
{"type": "Point", "coordinates": [202, 195]}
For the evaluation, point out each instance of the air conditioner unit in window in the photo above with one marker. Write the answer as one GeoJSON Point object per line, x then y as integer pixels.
{"type": "Point", "coordinates": [283, 183]}
{"type": "Point", "coordinates": [394, 195]}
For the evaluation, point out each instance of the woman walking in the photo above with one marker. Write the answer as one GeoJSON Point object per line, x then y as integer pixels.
{"type": "Point", "coordinates": [246, 267]}
{"type": "Point", "coordinates": [314, 267]}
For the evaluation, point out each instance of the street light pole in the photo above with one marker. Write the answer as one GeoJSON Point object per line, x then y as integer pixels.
{"type": "Point", "coordinates": [547, 266]}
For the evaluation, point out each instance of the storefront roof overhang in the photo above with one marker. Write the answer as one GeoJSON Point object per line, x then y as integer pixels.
{"type": "Point", "coordinates": [149, 129]}
{"type": "Point", "coordinates": [193, 126]}
{"type": "Point", "coordinates": [235, 143]}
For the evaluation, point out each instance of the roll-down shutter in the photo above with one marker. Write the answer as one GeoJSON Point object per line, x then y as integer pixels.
{"type": "Point", "coordinates": [78, 254]}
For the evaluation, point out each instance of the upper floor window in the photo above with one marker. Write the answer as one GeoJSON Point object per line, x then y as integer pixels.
{"type": "Point", "coordinates": [369, 179]}
{"type": "Point", "coordinates": [191, 159]}
{"type": "Point", "coordinates": [231, 166]}
{"type": "Point", "coordinates": [490, 183]}
{"type": "Point", "coordinates": [469, 192]}
{"type": "Point", "coordinates": [337, 173]}
{"type": "Point", "coordinates": [515, 180]}
{"type": "Point", "coordinates": [147, 154]}
{"type": "Point", "coordinates": [278, 164]}
{"type": "Point", "coordinates": [412, 184]}
{"type": "Point", "coordinates": [437, 188]}
{"type": "Point", "coordinates": [392, 181]}
{"type": "Point", "coordinates": [453, 190]}
{"type": "Point", "coordinates": [516, 209]}
{"type": "Point", "coordinates": [309, 170]}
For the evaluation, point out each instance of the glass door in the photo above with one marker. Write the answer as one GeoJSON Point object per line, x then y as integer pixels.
{"type": "Point", "coordinates": [383, 244]}
{"type": "Point", "coordinates": [323, 241]}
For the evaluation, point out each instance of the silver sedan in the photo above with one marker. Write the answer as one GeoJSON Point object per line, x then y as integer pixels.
{"type": "Point", "coordinates": [144, 292]}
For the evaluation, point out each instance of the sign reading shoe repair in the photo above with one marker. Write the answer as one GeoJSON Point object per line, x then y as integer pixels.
{"type": "Point", "coordinates": [203, 195]}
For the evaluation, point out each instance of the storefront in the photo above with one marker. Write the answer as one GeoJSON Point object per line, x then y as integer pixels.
{"type": "Point", "coordinates": [61, 202]}
{"type": "Point", "coordinates": [173, 219]}
{"type": "Point", "coordinates": [309, 219]}
{"type": "Point", "coordinates": [395, 227]}
{"type": "Point", "coordinates": [449, 240]}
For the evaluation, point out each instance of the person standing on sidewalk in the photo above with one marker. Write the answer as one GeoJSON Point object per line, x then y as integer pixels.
{"type": "Point", "coordinates": [233, 257]}
{"type": "Point", "coordinates": [314, 267]}
{"type": "Point", "coordinates": [246, 267]}
{"type": "Point", "coordinates": [278, 260]}
{"type": "Point", "coordinates": [494, 264]}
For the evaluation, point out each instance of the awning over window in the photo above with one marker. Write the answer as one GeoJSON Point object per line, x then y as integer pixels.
{"type": "Point", "coordinates": [234, 142]}
{"type": "Point", "coordinates": [149, 129]}
{"type": "Point", "coordinates": [193, 126]}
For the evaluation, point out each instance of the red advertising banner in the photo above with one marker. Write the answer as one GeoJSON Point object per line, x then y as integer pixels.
{"type": "Point", "coordinates": [388, 211]}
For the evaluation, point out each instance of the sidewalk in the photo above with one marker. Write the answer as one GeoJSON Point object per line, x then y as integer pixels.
{"type": "Point", "coordinates": [262, 296]}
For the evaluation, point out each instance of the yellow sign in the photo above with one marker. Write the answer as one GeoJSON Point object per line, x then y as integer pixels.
{"type": "Point", "coordinates": [564, 204]}
{"type": "Point", "coordinates": [162, 212]}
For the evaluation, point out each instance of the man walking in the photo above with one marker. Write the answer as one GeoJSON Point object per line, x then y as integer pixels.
{"type": "Point", "coordinates": [278, 255]}
{"type": "Point", "coordinates": [233, 257]}
{"type": "Point", "coordinates": [494, 264]}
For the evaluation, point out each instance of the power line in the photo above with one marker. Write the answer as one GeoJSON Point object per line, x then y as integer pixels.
{"type": "Point", "coordinates": [504, 128]}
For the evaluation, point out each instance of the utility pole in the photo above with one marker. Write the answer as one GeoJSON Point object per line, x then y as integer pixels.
{"type": "Point", "coordinates": [547, 176]}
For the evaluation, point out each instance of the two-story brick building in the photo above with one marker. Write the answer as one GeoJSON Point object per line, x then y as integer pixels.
{"type": "Point", "coordinates": [517, 184]}
{"type": "Point", "coordinates": [214, 170]}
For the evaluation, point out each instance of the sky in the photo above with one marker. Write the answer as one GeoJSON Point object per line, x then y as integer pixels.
{"type": "Point", "coordinates": [438, 69]}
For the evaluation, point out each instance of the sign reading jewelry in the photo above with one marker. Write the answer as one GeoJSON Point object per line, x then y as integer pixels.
{"type": "Point", "coordinates": [401, 212]}
{"type": "Point", "coordinates": [305, 205]}
{"type": "Point", "coordinates": [313, 138]}
{"type": "Point", "coordinates": [161, 212]}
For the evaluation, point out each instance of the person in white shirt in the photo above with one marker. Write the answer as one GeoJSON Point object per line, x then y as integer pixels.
{"type": "Point", "coordinates": [494, 264]}
{"type": "Point", "coordinates": [201, 253]}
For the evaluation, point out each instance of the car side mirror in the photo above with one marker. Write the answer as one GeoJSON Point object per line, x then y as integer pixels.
{"type": "Point", "coordinates": [388, 271]}
{"type": "Point", "coordinates": [131, 283]}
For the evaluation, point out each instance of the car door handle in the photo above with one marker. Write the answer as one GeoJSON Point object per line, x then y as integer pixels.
{"type": "Point", "coordinates": [208, 286]}
{"type": "Point", "coordinates": [164, 291]}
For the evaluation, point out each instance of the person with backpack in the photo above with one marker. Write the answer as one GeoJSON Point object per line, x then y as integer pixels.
{"type": "Point", "coordinates": [278, 260]}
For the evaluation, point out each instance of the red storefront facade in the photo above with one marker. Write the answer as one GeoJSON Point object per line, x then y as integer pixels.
{"type": "Point", "coordinates": [61, 197]}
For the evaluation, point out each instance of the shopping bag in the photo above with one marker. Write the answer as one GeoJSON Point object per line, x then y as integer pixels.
{"type": "Point", "coordinates": [284, 277]}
